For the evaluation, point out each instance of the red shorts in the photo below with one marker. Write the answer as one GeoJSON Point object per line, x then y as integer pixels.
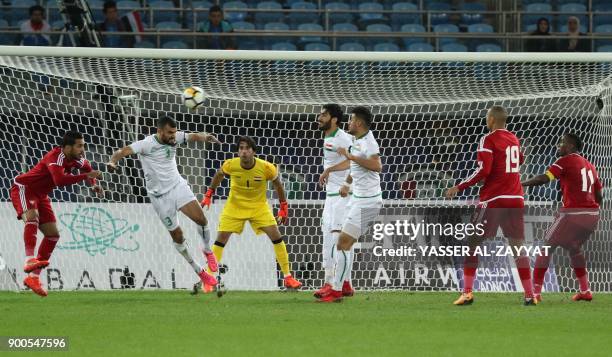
{"type": "Point", "coordinates": [571, 229]}
{"type": "Point", "coordinates": [506, 213]}
{"type": "Point", "coordinates": [24, 199]}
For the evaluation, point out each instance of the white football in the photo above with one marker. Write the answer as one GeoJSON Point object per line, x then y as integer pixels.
{"type": "Point", "coordinates": [193, 97]}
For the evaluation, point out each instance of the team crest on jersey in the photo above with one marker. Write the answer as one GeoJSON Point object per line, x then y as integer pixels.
{"type": "Point", "coordinates": [329, 146]}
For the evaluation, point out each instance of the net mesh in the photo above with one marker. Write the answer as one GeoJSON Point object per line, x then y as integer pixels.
{"type": "Point", "coordinates": [428, 121]}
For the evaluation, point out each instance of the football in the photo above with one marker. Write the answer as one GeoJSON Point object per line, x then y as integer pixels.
{"type": "Point", "coordinates": [193, 97]}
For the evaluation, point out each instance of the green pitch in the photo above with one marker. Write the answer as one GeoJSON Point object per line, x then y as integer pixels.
{"type": "Point", "coordinates": [292, 324]}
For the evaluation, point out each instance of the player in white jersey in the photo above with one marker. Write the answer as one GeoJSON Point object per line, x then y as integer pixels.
{"type": "Point", "coordinates": [366, 201]}
{"type": "Point", "coordinates": [336, 170]}
{"type": "Point", "coordinates": [168, 191]}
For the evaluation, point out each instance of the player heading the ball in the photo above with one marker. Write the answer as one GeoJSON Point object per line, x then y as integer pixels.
{"type": "Point", "coordinates": [247, 201]}
{"type": "Point", "coordinates": [30, 198]}
{"type": "Point", "coordinates": [168, 191]}
{"type": "Point", "coordinates": [501, 200]}
{"type": "Point", "coordinates": [366, 202]}
{"type": "Point", "coordinates": [579, 216]}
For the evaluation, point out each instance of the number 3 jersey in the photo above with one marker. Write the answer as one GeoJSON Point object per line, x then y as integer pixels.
{"type": "Point", "coordinates": [499, 158]}
{"type": "Point", "coordinates": [579, 181]}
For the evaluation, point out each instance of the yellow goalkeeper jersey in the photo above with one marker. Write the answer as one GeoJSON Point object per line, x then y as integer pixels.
{"type": "Point", "coordinates": [248, 186]}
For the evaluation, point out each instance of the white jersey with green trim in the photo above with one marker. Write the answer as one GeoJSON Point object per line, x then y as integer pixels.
{"type": "Point", "coordinates": [158, 162]}
{"type": "Point", "coordinates": [366, 183]}
{"type": "Point", "coordinates": [338, 139]}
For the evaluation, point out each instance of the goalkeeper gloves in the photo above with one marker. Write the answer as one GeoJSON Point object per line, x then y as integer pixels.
{"type": "Point", "coordinates": [207, 198]}
{"type": "Point", "coordinates": [282, 216]}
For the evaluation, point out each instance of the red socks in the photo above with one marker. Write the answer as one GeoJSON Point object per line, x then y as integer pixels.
{"type": "Point", "coordinates": [44, 251]}
{"type": "Point", "coordinates": [469, 272]}
{"type": "Point", "coordinates": [579, 265]}
{"type": "Point", "coordinates": [524, 271]}
{"type": "Point", "coordinates": [29, 237]}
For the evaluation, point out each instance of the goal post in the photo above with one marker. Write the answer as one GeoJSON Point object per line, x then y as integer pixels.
{"type": "Point", "coordinates": [428, 110]}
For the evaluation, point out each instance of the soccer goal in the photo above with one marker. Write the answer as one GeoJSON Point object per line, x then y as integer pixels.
{"type": "Point", "coordinates": [429, 115]}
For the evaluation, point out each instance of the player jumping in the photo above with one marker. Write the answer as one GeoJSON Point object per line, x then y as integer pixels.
{"type": "Point", "coordinates": [30, 197]}
{"type": "Point", "coordinates": [501, 199]}
{"type": "Point", "coordinates": [247, 201]}
{"type": "Point", "coordinates": [336, 170]}
{"type": "Point", "coordinates": [168, 191]}
{"type": "Point", "coordinates": [577, 220]}
{"type": "Point", "coordinates": [366, 202]}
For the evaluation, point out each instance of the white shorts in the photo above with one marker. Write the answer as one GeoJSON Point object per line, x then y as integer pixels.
{"type": "Point", "coordinates": [333, 212]}
{"type": "Point", "coordinates": [168, 204]}
{"type": "Point", "coordinates": [360, 214]}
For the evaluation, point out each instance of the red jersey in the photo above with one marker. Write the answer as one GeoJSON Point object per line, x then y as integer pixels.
{"type": "Point", "coordinates": [579, 181]}
{"type": "Point", "coordinates": [53, 170]}
{"type": "Point", "coordinates": [499, 158]}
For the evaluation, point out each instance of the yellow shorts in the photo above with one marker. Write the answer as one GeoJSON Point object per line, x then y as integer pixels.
{"type": "Point", "coordinates": [233, 220]}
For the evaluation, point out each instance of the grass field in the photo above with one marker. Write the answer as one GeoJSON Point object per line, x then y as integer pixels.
{"type": "Point", "coordinates": [291, 324]}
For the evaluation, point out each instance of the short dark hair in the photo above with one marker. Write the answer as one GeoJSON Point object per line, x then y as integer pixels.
{"type": "Point", "coordinates": [109, 5]}
{"type": "Point", "coordinates": [575, 140]}
{"type": "Point", "coordinates": [166, 120]}
{"type": "Point", "coordinates": [248, 140]}
{"type": "Point", "coordinates": [364, 114]}
{"type": "Point", "coordinates": [34, 8]}
{"type": "Point", "coordinates": [335, 111]}
{"type": "Point", "coordinates": [70, 138]}
{"type": "Point", "coordinates": [215, 8]}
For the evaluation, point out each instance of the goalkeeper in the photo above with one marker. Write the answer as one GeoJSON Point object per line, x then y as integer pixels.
{"type": "Point", "coordinates": [247, 202]}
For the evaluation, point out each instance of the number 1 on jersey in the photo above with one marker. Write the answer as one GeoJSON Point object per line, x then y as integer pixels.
{"type": "Point", "coordinates": [512, 159]}
{"type": "Point", "coordinates": [587, 179]}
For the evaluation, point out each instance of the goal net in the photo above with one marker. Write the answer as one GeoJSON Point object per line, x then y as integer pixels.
{"type": "Point", "coordinates": [429, 114]}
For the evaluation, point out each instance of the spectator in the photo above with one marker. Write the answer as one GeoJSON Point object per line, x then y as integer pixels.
{"type": "Point", "coordinates": [113, 23]}
{"type": "Point", "coordinates": [574, 43]}
{"type": "Point", "coordinates": [216, 24]}
{"type": "Point", "coordinates": [541, 44]}
{"type": "Point", "coordinates": [30, 29]}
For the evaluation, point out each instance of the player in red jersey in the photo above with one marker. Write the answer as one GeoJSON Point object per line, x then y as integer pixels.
{"type": "Point", "coordinates": [29, 195]}
{"type": "Point", "coordinates": [577, 219]}
{"type": "Point", "coordinates": [501, 199]}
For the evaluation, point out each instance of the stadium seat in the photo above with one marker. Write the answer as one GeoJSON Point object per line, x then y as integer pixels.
{"type": "Point", "coordinates": [603, 29]}
{"type": "Point", "coordinates": [386, 47]}
{"type": "Point", "coordinates": [203, 5]}
{"type": "Point", "coordinates": [453, 47]}
{"type": "Point", "coordinates": [235, 11]}
{"type": "Point", "coordinates": [310, 27]}
{"type": "Point", "coordinates": [318, 46]}
{"type": "Point", "coordinates": [420, 47]}
{"type": "Point", "coordinates": [377, 28]}
{"type": "Point", "coordinates": [344, 27]}
{"type": "Point", "coordinates": [370, 14]}
{"type": "Point", "coordinates": [160, 13]}
{"type": "Point", "coordinates": [440, 17]}
{"type": "Point", "coordinates": [446, 28]}
{"type": "Point", "coordinates": [245, 42]}
{"type": "Point", "coordinates": [601, 19]}
{"type": "Point", "coordinates": [480, 28]}
{"type": "Point", "coordinates": [488, 47]}
{"type": "Point", "coordinates": [283, 46]}
{"type": "Point", "coordinates": [20, 10]}
{"type": "Point", "coordinates": [243, 25]}
{"type": "Point", "coordinates": [606, 48]}
{"type": "Point", "coordinates": [96, 7]}
{"type": "Point", "coordinates": [179, 45]}
{"type": "Point", "coordinates": [412, 28]}
{"type": "Point", "coordinates": [144, 44]}
{"type": "Point", "coordinates": [169, 26]}
{"type": "Point", "coordinates": [5, 38]}
{"type": "Point", "coordinates": [352, 46]}
{"type": "Point", "coordinates": [275, 26]}
{"type": "Point", "coordinates": [268, 16]}
{"type": "Point", "coordinates": [337, 17]}
{"type": "Point", "coordinates": [539, 8]}
{"type": "Point", "coordinates": [399, 19]}
{"type": "Point", "coordinates": [297, 18]}
{"type": "Point", "coordinates": [468, 18]}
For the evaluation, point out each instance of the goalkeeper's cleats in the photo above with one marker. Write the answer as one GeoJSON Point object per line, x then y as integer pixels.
{"type": "Point", "coordinates": [537, 298]}
{"type": "Point", "coordinates": [33, 282]}
{"type": "Point", "coordinates": [211, 261]}
{"type": "Point", "coordinates": [291, 283]}
{"type": "Point", "coordinates": [347, 289]}
{"type": "Point", "coordinates": [207, 279]}
{"type": "Point", "coordinates": [585, 296]}
{"type": "Point", "coordinates": [34, 264]}
{"type": "Point", "coordinates": [464, 299]}
{"type": "Point", "coordinates": [530, 301]}
{"type": "Point", "coordinates": [331, 296]}
{"type": "Point", "coordinates": [323, 291]}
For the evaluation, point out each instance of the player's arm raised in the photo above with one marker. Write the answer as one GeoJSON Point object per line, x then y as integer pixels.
{"type": "Point", "coordinates": [125, 151]}
{"type": "Point", "coordinates": [202, 137]}
{"type": "Point", "coordinates": [282, 216]}
{"type": "Point", "coordinates": [216, 181]}
{"type": "Point", "coordinates": [371, 163]}
{"type": "Point", "coordinates": [86, 168]}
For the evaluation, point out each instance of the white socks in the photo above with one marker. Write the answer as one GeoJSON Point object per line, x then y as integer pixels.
{"type": "Point", "coordinates": [343, 263]}
{"type": "Point", "coordinates": [329, 255]}
{"type": "Point", "coordinates": [182, 248]}
{"type": "Point", "coordinates": [205, 235]}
